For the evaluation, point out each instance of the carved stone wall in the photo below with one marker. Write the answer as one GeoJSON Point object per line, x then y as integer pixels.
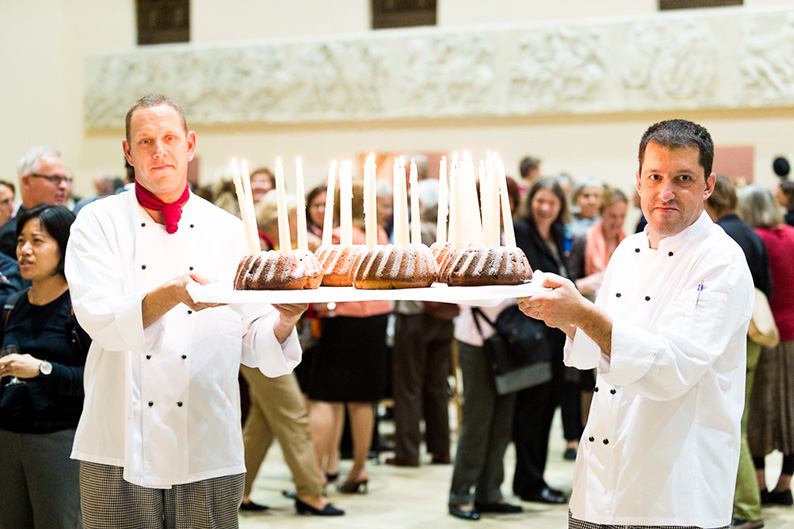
{"type": "Point", "coordinates": [727, 58]}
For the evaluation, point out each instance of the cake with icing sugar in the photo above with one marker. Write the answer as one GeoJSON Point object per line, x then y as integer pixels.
{"type": "Point", "coordinates": [337, 261]}
{"type": "Point", "coordinates": [276, 270]}
{"type": "Point", "coordinates": [475, 265]}
{"type": "Point", "coordinates": [389, 266]}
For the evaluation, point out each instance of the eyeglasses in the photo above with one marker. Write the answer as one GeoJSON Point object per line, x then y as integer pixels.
{"type": "Point", "coordinates": [54, 179]}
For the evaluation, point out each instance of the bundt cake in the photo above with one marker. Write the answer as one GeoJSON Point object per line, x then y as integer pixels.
{"type": "Point", "coordinates": [337, 262]}
{"type": "Point", "coordinates": [276, 270]}
{"type": "Point", "coordinates": [475, 265]}
{"type": "Point", "coordinates": [389, 266]}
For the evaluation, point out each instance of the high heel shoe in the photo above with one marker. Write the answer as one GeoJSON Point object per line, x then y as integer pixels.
{"type": "Point", "coordinates": [328, 510]}
{"type": "Point", "coordinates": [331, 478]}
{"type": "Point", "coordinates": [353, 487]}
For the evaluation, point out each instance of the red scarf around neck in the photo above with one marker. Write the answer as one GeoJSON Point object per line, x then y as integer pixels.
{"type": "Point", "coordinates": [171, 211]}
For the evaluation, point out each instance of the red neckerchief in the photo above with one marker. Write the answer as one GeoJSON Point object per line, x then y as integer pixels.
{"type": "Point", "coordinates": [171, 211]}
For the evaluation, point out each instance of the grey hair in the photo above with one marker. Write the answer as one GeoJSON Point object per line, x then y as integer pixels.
{"type": "Point", "coordinates": [582, 184]}
{"type": "Point", "coordinates": [757, 207]}
{"type": "Point", "coordinates": [29, 163]}
{"type": "Point", "coordinates": [383, 188]}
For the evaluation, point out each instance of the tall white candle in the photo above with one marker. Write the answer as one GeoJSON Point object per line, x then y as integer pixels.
{"type": "Point", "coordinates": [370, 202]}
{"type": "Point", "coordinates": [454, 203]}
{"type": "Point", "coordinates": [328, 219]}
{"type": "Point", "coordinates": [284, 241]}
{"type": "Point", "coordinates": [303, 241]}
{"type": "Point", "coordinates": [346, 204]}
{"type": "Point", "coordinates": [485, 203]}
{"type": "Point", "coordinates": [472, 219]}
{"type": "Point", "coordinates": [404, 228]}
{"type": "Point", "coordinates": [242, 202]}
{"type": "Point", "coordinates": [507, 217]}
{"type": "Point", "coordinates": [247, 212]}
{"type": "Point", "coordinates": [416, 228]}
{"type": "Point", "coordinates": [396, 198]}
{"type": "Point", "coordinates": [441, 223]}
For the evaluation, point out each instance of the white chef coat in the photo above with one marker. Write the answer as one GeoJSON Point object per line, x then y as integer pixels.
{"type": "Point", "coordinates": [163, 402]}
{"type": "Point", "coordinates": [661, 445]}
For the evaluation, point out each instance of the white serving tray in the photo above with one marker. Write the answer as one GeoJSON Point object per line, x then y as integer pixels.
{"type": "Point", "coordinates": [484, 296]}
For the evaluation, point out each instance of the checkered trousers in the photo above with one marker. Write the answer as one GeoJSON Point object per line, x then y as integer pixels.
{"type": "Point", "coordinates": [579, 524]}
{"type": "Point", "coordinates": [109, 501]}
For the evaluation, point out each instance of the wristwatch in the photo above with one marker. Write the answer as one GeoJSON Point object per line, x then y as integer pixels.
{"type": "Point", "coordinates": [45, 368]}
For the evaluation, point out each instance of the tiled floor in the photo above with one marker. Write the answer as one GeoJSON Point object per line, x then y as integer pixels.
{"type": "Point", "coordinates": [407, 498]}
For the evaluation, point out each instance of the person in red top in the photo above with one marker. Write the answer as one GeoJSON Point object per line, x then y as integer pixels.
{"type": "Point", "coordinates": [771, 415]}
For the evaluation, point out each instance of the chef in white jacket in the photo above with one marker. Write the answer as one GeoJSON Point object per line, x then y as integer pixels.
{"type": "Point", "coordinates": [667, 335]}
{"type": "Point", "coordinates": [160, 439]}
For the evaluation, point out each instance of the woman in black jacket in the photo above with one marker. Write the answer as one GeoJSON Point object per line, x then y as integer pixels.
{"type": "Point", "coordinates": [540, 233]}
{"type": "Point", "coordinates": [42, 386]}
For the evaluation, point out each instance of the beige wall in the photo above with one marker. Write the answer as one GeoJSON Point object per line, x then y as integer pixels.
{"type": "Point", "coordinates": [44, 43]}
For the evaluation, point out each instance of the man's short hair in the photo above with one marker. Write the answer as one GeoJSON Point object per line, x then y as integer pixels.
{"type": "Point", "coordinates": [154, 100]}
{"type": "Point", "coordinates": [527, 164]}
{"type": "Point", "coordinates": [29, 163]}
{"type": "Point", "coordinates": [680, 133]}
{"type": "Point", "coordinates": [724, 199]}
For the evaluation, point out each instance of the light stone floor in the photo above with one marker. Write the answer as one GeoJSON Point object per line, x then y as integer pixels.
{"type": "Point", "coordinates": [416, 498]}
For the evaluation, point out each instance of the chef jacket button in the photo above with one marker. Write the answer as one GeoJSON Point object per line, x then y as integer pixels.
{"type": "Point", "coordinates": [613, 391]}
{"type": "Point", "coordinates": [191, 268]}
{"type": "Point", "coordinates": [591, 438]}
{"type": "Point", "coordinates": [636, 250]}
{"type": "Point", "coordinates": [670, 254]}
{"type": "Point", "coordinates": [595, 389]}
{"type": "Point", "coordinates": [192, 225]}
{"type": "Point", "coordinates": [647, 298]}
{"type": "Point", "coordinates": [617, 295]}
{"type": "Point", "coordinates": [148, 357]}
{"type": "Point", "coordinates": [189, 311]}
{"type": "Point", "coordinates": [143, 224]}
{"type": "Point", "coordinates": [184, 357]}
{"type": "Point", "coordinates": [606, 441]}
{"type": "Point", "coordinates": [179, 403]}
{"type": "Point", "coordinates": [151, 403]}
{"type": "Point", "coordinates": [143, 267]}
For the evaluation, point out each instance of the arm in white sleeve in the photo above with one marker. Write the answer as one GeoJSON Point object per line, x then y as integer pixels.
{"type": "Point", "coordinates": [691, 334]}
{"type": "Point", "coordinates": [95, 271]}
{"type": "Point", "coordinates": [261, 348]}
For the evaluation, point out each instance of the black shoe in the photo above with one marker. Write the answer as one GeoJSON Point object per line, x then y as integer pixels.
{"type": "Point", "coordinates": [353, 487]}
{"type": "Point", "coordinates": [738, 523]}
{"type": "Point", "coordinates": [545, 495]}
{"type": "Point", "coordinates": [253, 507]}
{"type": "Point", "coordinates": [328, 510]}
{"type": "Point", "coordinates": [455, 511]}
{"type": "Point", "coordinates": [782, 497]}
{"type": "Point", "coordinates": [570, 454]}
{"type": "Point", "coordinates": [501, 508]}
{"type": "Point", "coordinates": [331, 478]}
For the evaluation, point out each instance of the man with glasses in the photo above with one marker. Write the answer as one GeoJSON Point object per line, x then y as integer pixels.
{"type": "Point", "coordinates": [43, 179]}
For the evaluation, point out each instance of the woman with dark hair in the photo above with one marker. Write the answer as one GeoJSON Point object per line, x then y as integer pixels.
{"type": "Point", "coordinates": [540, 233]}
{"type": "Point", "coordinates": [315, 210]}
{"type": "Point", "coordinates": [785, 197]}
{"type": "Point", "coordinates": [44, 353]}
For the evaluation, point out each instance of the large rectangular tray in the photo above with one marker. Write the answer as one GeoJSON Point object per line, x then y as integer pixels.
{"type": "Point", "coordinates": [483, 296]}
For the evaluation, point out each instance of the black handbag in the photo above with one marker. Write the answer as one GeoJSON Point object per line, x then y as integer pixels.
{"type": "Point", "coordinates": [519, 350]}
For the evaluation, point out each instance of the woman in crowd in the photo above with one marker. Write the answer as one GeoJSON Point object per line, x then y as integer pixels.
{"type": "Point", "coordinates": [785, 197]}
{"type": "Point", "coordinates": [277, 409]}
{"type": "Point", "coordinates": [315, 213]}
{"type": "Point", "coordinates": [262, 182]}
{"type": "Point", "coordinates": [771, 416]}
{"type": "Point", "coordinates": [348, 373]}
{"type": "Point", "coordinates": [585, 201]}
{"type": "Point", "coordinates": [39, 413]}
{"type": "Point", "coordinates": [540, 233]}
{"type": "Point", "coordinates": [590, 254]}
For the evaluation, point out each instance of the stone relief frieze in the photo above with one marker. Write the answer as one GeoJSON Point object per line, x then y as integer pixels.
{"type": "Point", "coordinates": [767, 59]}
{"type": "Point", "coordinates": [728, 58]}
{"type": "Point", "coordinates": [671, 63]}
{"type": "Point", "coordinates": [555, 68]}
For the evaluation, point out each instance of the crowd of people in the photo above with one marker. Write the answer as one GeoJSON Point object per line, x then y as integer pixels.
{"type": "Point", "coordinates": [112, 377]}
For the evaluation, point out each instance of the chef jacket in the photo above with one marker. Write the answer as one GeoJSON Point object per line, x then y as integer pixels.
{"type": "Point", "coordinates": [661, 445]}
{"type": "Point", "coordinates": [163, 402]}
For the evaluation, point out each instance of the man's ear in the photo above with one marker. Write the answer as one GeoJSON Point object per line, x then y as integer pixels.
{"type": "Point", "coordinates": [711, 181]}
{"type": "Point", "coordinates": [126, 147]}
{"type": "Point", "coordinates": [191, 144]}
